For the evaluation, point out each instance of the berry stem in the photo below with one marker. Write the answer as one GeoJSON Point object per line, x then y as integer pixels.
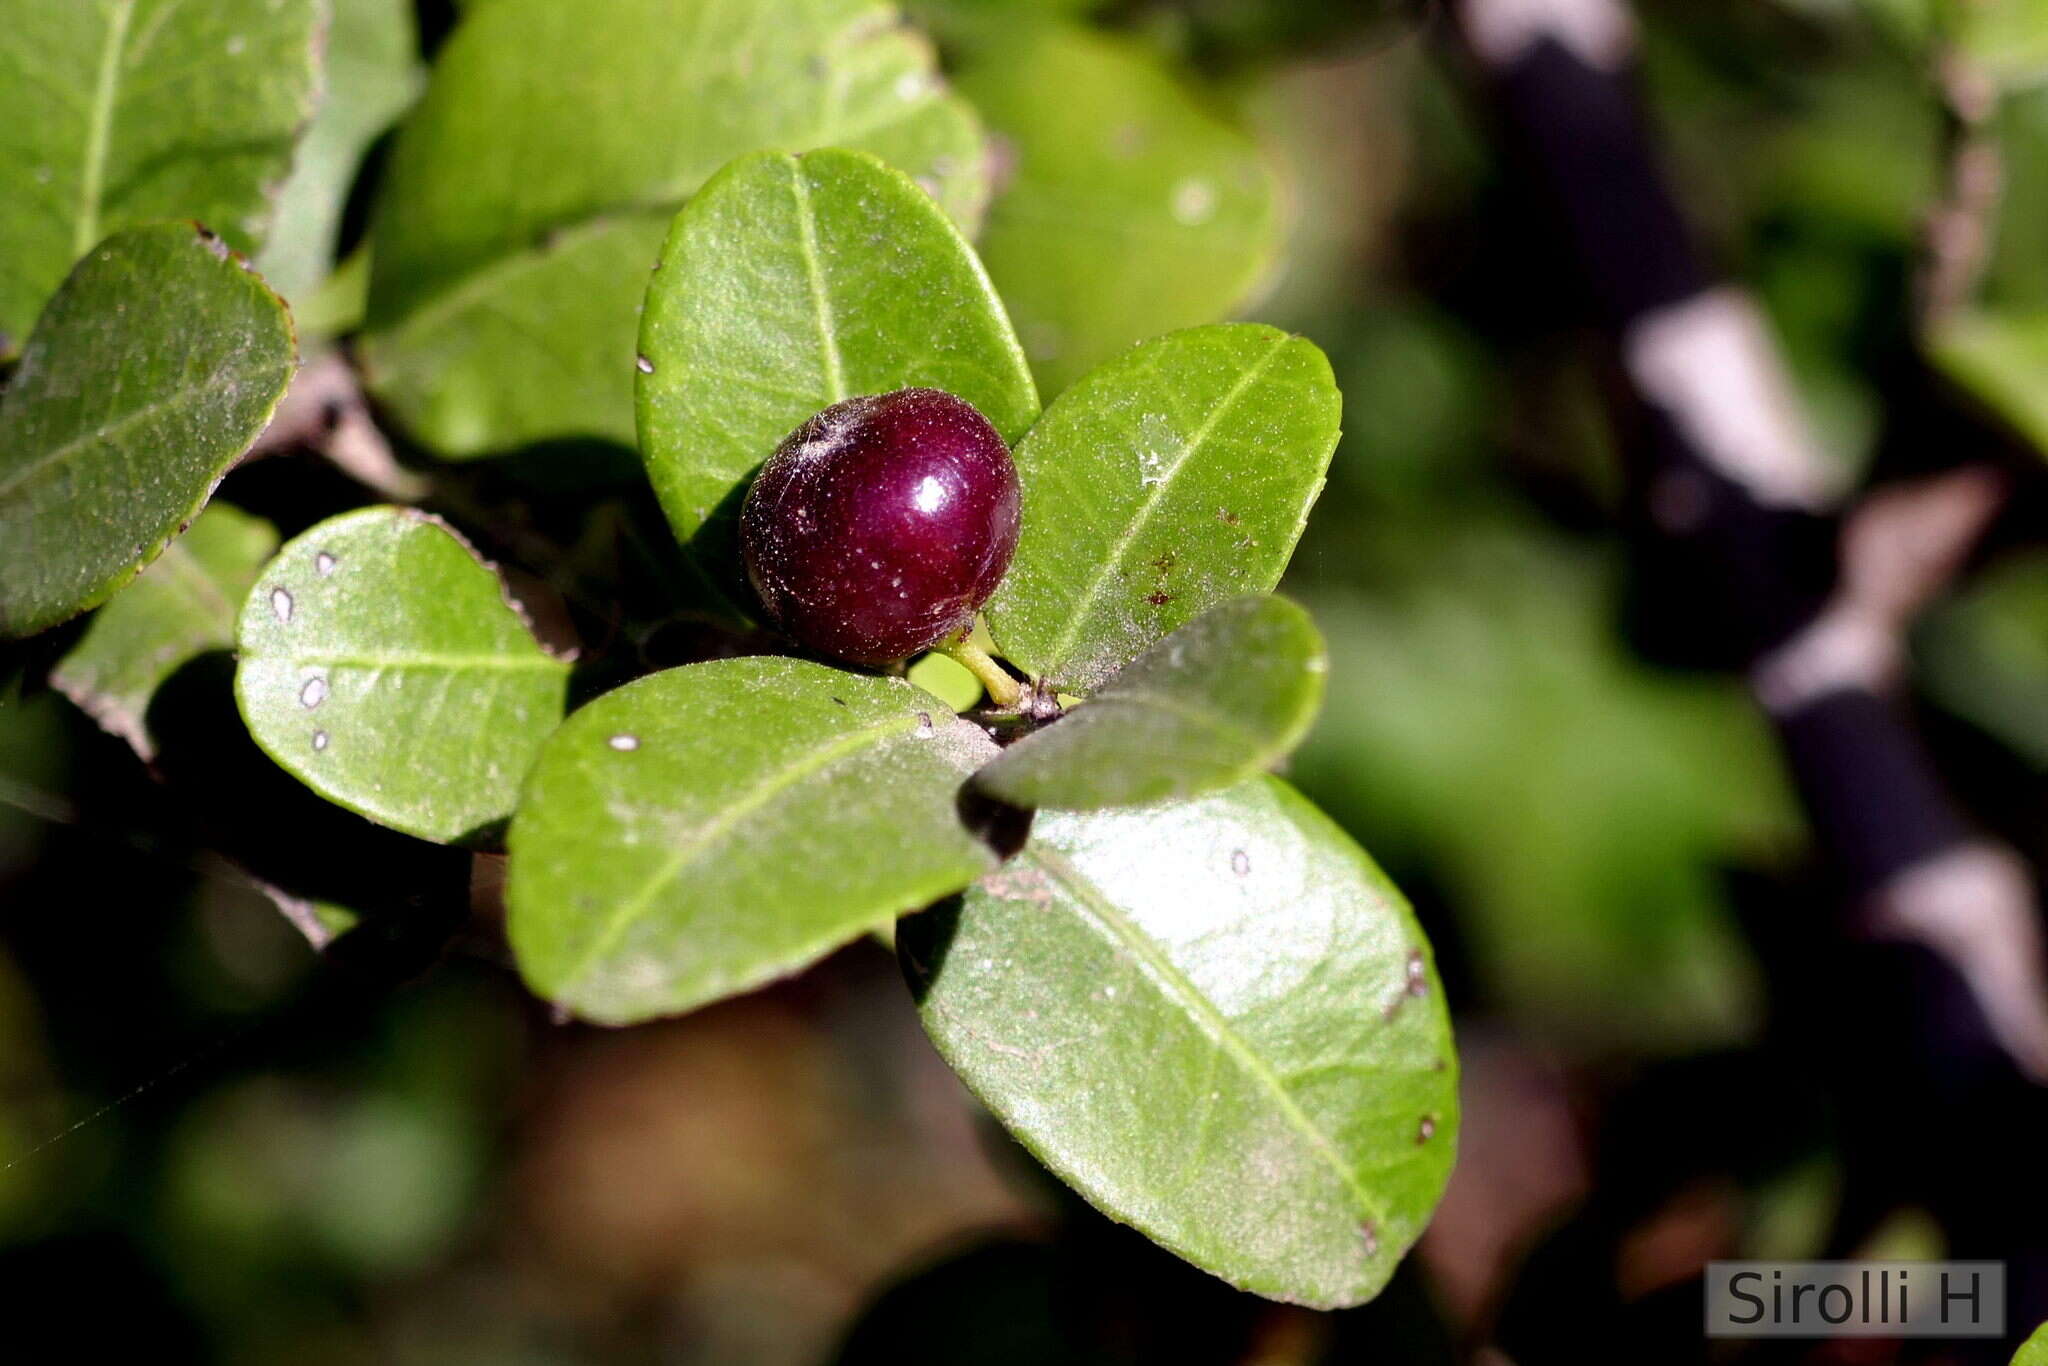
{"type": "Point", "coordinates": [1002, 689]}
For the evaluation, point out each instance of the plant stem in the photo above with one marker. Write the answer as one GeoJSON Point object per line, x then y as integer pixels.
{"type": "Point", "coordinates": [1002, 689]}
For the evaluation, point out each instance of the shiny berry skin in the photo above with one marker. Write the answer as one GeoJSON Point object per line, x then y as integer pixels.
{"type": "Point", "coordinates": [880, 526]}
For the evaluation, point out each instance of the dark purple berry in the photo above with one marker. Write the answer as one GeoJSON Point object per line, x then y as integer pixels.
{"type": "Point", "coordinates": [880, 525]}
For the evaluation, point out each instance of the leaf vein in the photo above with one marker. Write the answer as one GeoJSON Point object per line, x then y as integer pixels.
{"type": "Point", "coordinates": [1057, 656]}
{"type": "Point", "coordinates": [1174, 983]}
{"type": "Point", "coordinates": [755, 798]}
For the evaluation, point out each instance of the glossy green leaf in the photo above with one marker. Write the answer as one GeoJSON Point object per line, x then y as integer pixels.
{"type": "Point", "coordinates": [1225, 696]}
{"type": "Point", "coordinates": [1983, 654]}
{"type": "Point", "coordinates": [383, 666]}
{"type": "Point", "coordinates": [2034, 1351]}
{"type": "Point", "coordinates": [373, 72]}
{"type": "Point", "coordinates": [1170, 479]}
{"type": "Point", "coordinates": [707, 829]}
{"type": "Point", "coordinates": [791, 283]}
{"type": "Point", "coordinates": [182, 606]}
{"type": "Point", "coordinates": [544, 121]}
{"type": "Point", "coordinates": [2002, 359]}
{"type": "Point", "coordinates": [1219, 1022]}
{"type": "Point", "coordinates": [115, 112]}
{"type": "Point", "coordinates": [151, 372]}
{"type": "Point", "coordinates": [1125, 207]}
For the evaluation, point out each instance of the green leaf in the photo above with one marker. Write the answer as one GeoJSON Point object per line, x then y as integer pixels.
{"type": "Point", "coordinates": [2034, 1351]}
{"type": "Point", "coordinates": [1172, 478]}
{"type": "Point", "coordinates": [1125, 207]}
{"type": "Point", "coordinates": [384, 667]}
{"type": "Point", "coordinates": [2002, 359]}
{"type": "Point", "coordinates": [707, 829]}
{"type": "Point", "coordinates": [1219, 1022]}
{"type": "Point", "coordinates": [153, 369]}
{"type": "Point", "coordinates": [181, 607]}
{"type": "Point", "coordinates": [1983, 654]}
{"type": "Point", "coordinates": [536, 346]}
{"type": "Point", "coordinates": [544, 121]}
{"type": "Point", "coordinates": [786, 285]}
{"type": "Point", "coordinates": [373, 73]}
{"type": "Point", "coordinates": [1225, 696]}
{"type": "Point", "coordinates": [115, 112]}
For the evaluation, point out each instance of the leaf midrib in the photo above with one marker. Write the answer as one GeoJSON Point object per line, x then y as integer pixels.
{"type": "Point", "coordinates": [1175, 984]}
{"type": "Point", "coordinates": [1084, 607]}
{"type": "Point", "coordinates": [821, 300]}
{"type": "Point", "coordinates": [84, 440]}
{"type": "Point", "coordinates": [754, 799]}
{"type": "Point", "coordinates": [99, 128]}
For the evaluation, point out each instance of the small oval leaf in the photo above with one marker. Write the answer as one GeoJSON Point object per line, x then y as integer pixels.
{"type": "Point", "coordinates": [120, 111]}
{"type": "Point", "coordinates": [153, 369]}
{"type": "Point", "coordinates": [629, 106]}
{"type": "Point", "coordinates": [1225, 696]}
{"type": "Point", "coordinates": [1219, 1022]}
{"type": "Point", "coordinates": [179, 608]}
{"type": "Point", "coordinates": [788, 284]}
{"type": "Point", "coordinates": [383, 666]}
{"type": "Point", "coordinates": [706, 829]}
{"type": "Point", "coordinates": [1172, 478]}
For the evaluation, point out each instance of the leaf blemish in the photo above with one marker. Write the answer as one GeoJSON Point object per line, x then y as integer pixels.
{"type": "Point", "coordinates": [1240, 862]}
{"type": "Point", "coordinates": [281, 604]}
{"type": "Point", "coordinates": [319, 740]}
{"type": "Point", "coordinates": [643, 365]}
{"type": "Point", "coordinates": [1369, 1236]}
{"type": "Point", "coordinates": [1415, 984]}
{"type": "Point", "coordinates": [1158, 599]}
{"type": "Point", "coordinates": [313, 693]}
{"type": "Point", "coordinates": [624, 744]}
{"type": "Point", "coordinates": [1426, 1130]}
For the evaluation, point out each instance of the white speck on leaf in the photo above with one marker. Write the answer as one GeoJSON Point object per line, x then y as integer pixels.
{"type": "Point", "coordinates": [323, 564]}
{"type": "Point", "coordinates": [1194, 202]}
{"type": "Point", "coordinates": [281, 604]}
{"type": "Point", "coordinates": [644, 365]}
{"type": "Point", "coordinates": [319, 740]}
{"type": "Point", "coordinates": [624, 744]}
{"type": "Point", "coordinates": [313, 693]}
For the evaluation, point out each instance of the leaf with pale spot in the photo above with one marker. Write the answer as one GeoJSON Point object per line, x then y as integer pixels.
{"type": "Point", "coordinates": [383, 666]}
